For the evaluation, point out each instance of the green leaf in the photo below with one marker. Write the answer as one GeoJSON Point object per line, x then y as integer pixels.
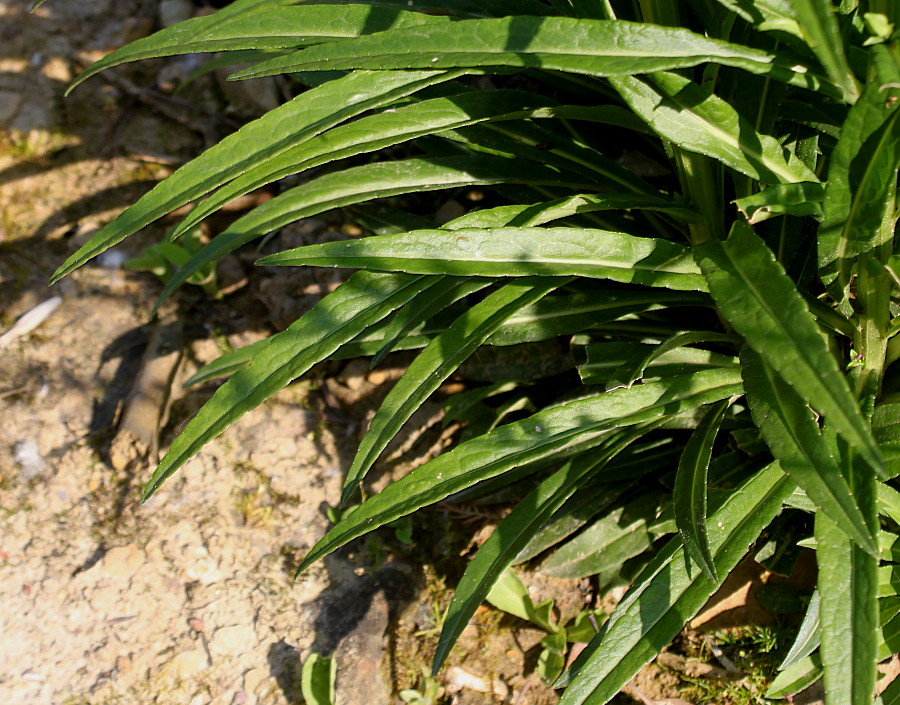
{"type": "Point", "coordinates": [260, 26]}
{"type": "Point", "coordinates": [605, 545]}
{"type": "Point", "coordinates": [606, 361]}
{"type": "Point", "coordinates": [514, 252]}
{"type": "Point", "coordinates": [573, 313]}
{"type": "Point", "coordinates": [699, 121]}
{"type": "Point", "coordinates": [552, 658]}
{"type": "Point", "coordinates": [861, 169]}
{"type": "Point", "coordinates": [634, 369]}
{"type": "Point", "coordinates": [820, 29]}
{"type": "Point", "coordinates": [317, 680]}
{"type": "Point", "coordinates": [360, 302]}
{"type": "Point", "coordinates": [886, 431]}
{"type": "Point", "coordinates": [393, 126]}
{"type": "Point", "coordinates": [797, 677]}
{"type": "Point", "coordinates": [591, 47]}
{"type": "Point", "coordinates": [763, 304]}
{"type": "Point", "coordinates": [458, 8]}
{"type": "Point", "coordinates": [497, 553]}
{"type": "Point", "coordinates": [555, 433]}
{"type": "Point", "coordinates": [361, 184]}
{"type": "Point", "coordinates": [799, 199]}
{"type": "Point", "coordinates": [891, 694]}
{"type": "Point", "coordinates": [791, 432]}
{"type": "Point", "coordinates": [807, 639]}
{"type": "Point", "coordinates": [577, 511]}
{"type": "Point", "coordinates": [509, 594]}
{"type": "Point", "coordinates": [436, 362]}
{"type": "Point", "coordinates": [849, 617]}
{"type": "Point", "coordinates": [226, 364]}
{"type": "Point", "coordinates": [309, 114]}
{"type": "Point", "coordinates": [689, 493]}
{"type": "Point", "coordinates": [767, 15]}
{"type": "Point", "coordinates": [669, 592]}
{"type": "Point", "coordinates": [541, 213]}
{"type": "Point", "coordinates": [436, 298]}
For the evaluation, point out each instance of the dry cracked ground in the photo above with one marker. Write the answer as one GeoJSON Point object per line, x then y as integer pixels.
{"type": "Point", "coordinates": [191, 598]}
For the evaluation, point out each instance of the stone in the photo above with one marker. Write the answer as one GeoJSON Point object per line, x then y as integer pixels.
{"type": "Point", "coordinates": [9, 104]}
{"type": "Point", "coordinates": [252, 679]}
{"type": "Point", "coordinates": [203, 568]}
{"type": "Point", "coordinates": [122, 561]}
{"type": "Point", "coordinates": [234, 639]}
{"type": "Point", "coordinates": [188, 663]}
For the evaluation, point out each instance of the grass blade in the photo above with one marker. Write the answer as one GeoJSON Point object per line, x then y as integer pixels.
{"type": "Point", "coordinates": [512, 252]}
{"type": "Point", "coordinates": [689, 493]}
{"type": "Point", "coordinates": [436, 362]}
{"type": "Point", "coordinates": [763, 304]}
{"type": "Point", "coordinates": [360, 302]}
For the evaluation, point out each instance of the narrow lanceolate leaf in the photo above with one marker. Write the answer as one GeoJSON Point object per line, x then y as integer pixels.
{"type": "Point", "coordinates": [437, 298]}
{"type": "Point", "coordinates": [862, 168]}
{"type": "Point", "coordinates": [808, 637]}
{"type": "Point", "coordinates": [848, 584]}
{"type": "Point", "coordinates": [379, 131]}
{"type": "Point", "coordinates": [366, 183]}
{"type": "Point", "coordinates": [226, 364]}
{"type": "Point", "coordinates": [800, 199]}
{"type": "Point", "coordinates": [689, 493]}
{"type": "Point", "coordinates": [606, 544]}
{"type": "Point", "coordinates": [820, 29]}
{"type": "Point", "coordinates": [699, 121]}
{"type": "Point", "coordinates": [459, 8]}
{"type": "Point", "coordinates": [670, 591]}
{"type": "Point", "coordinates": [592, 47]}
{"type": "Point", "coordinates": [797, 677]}
{"type": "Point", "coordinates": [261, 26]}
{"type": "Point", "coordinates": [573, 313]}
{"type": "Point", "coordinates": [307, 115]}
{"type": "Point", "coordinates": [513, 534]}
{"type": "Point", "coordinates": [891, 694]}
{"type": "Point", "coordinates": [438, 361]}
{"type": "Point", "coordinates": [633, 369]}
{"type": "Point", "coordinates": [360, 302]}
{"type": "Point", "coordinates": [541, 213]}
{"type": "Point", "coordinates": [555, 433]}
{"type": "Point", "coordinates": [791, 432]}
{"type": "Point", "coordinates": [767, 15]}
{"type": "Point", "coordinates": [502, 252]}
{"type": "Point", "coordinates": [606, 360]}
{"type": "Point", "coordinates": [763, 304]}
